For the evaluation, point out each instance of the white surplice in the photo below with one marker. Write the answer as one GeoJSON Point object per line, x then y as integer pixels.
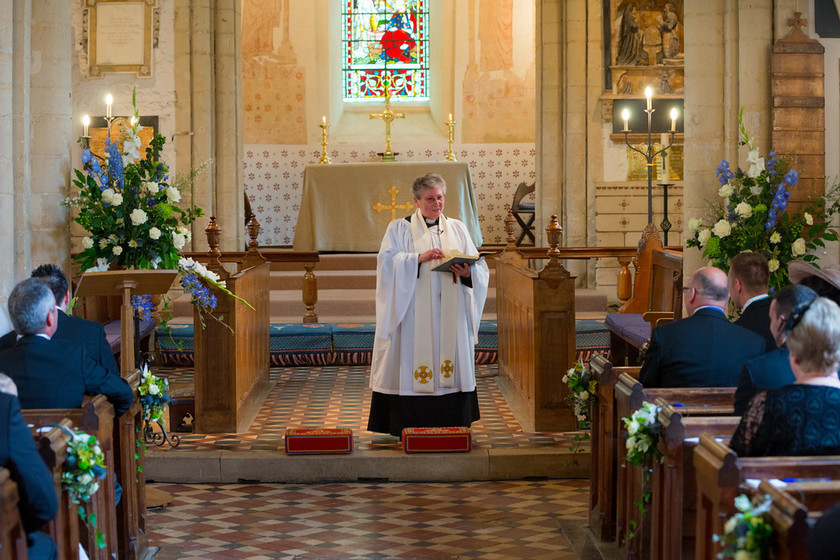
{"type": "Point", "coordinates": [392, 370]}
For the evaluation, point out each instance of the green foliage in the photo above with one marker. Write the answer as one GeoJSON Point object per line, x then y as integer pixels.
{"type": "Point", "coordinates": [747, 533]}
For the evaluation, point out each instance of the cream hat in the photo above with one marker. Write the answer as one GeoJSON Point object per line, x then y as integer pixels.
{"type": "Point", "coordinates": [799, 270]}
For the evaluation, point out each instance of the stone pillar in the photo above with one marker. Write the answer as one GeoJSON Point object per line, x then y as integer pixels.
{"type": "Point", "coordinates": [208, 52]}
{"type": "Point", "coordinates": [35, 137]}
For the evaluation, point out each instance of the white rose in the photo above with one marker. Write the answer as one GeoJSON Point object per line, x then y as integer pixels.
{"type": "Point", "coordinates": [87, 242]}
{"type": "Point", "coordinates": [584, 395]}
{"type": "Point", "coordinates": [173, 194]}
{"type": "Point", "coordinates": [703, 237]}
{"type": "Point", "coordinates": [798, 247]}
{"type": "Point", "coordinates": [773, 265]}
{"type": "Point", "coordinates": [154, 233]}
{"type": "Point", "coordinates": [693, 224]}
{"type": "Point", "coordinates": [108, 196]}
{"type": "Point", "coordinates": [725, 191]}
{"type": "Point", "coordinates": [178, 240]}
{"type": "Point", "coordinates": [117, 250]}
{"type": "Point", "coordinates": [632, 427]}
{"type": "Point", "coordinates": [775, 238]}
{"type": "Point", "coordinates": [151, 187]}
{"type": "Point", "coordinates": [630, 444]}
{"type": "Point", "coordinates": [744, 210]}
{"type": "Point", "coordinates": [154, 389]}
{"type": "Point", "coordinates": [809, 219]}
{"type": "Point", "coordinates": [731, 523]}
{"type": "Point", "coordinates": [138, 217]}
{"type": "Point", "coordinates": [722, 228]}
{"type": "Point", "coordinates": [85, 478]}
{"type": "Point", "coordinates": [117, 199]}
{"type": "Point", "coordinates": [94, 488]}
{"type": "Point", "coordinates": [97, 450]}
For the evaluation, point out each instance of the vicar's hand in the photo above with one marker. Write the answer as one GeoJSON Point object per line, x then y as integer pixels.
{"type": "Point", "coordinates": [462, 270]}
{"type": "Point", "coordinates": [430, 255]}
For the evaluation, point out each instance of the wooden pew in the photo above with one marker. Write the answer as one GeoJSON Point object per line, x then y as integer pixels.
{"type": "Point", "coordinates": [129, 457]}
{"type": "Point", "coordinates": [721, 473]}
{"type": "Point", "coordinates": [64, 529]}
{"type": "Point", "coordinates": [603, 443]}
{"type": "Point", "coordinates": [631, 484]}
{"type": "Point", "coordinates": [536, 337]}
{"type": "Point", "coordinates": [96, 417]}
{"type": "Point", "coordinates": [672, 507]}
{"type": "Point", "coordinates": [232, 357]}
{"type": "Point", "coordinates": [12, 535]}
{"type": "Point", "coordinates": [795, 509]}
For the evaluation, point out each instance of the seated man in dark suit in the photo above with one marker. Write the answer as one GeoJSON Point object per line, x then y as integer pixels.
{"type": "Point", "coordinates": [71, 329]}
{"type": "Point", "coordinates": [749, 279]}
{"type": "Point", "coordinates": [53, 373]}
{"type": "Point", "coordinates": [38, 501]}
{"type": "Point", "coordinates": [772, 370]}
{"type": "Point", "coordinates": [704, 349]}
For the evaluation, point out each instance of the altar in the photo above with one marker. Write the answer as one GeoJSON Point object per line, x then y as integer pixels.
{"type": "Point", "coordinates": [347, 207]}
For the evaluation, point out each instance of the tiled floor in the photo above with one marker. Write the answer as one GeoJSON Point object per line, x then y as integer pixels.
{"type": "Point", "coordinates": [338, 396]}
{"type": "Point", "coordinates": [489, 520]}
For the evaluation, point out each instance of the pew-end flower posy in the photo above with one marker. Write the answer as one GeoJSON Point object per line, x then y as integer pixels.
{"type": "Point", "coordinates": [582, 392]}
{"type": "Point", "coordinates": [746, 535]}
{"type": "Point", "coordinates": [154, 395]}
{"type": "Point", "coordinates": [643, 434]}
{"type": "Point", "coordinates": [752, 214]}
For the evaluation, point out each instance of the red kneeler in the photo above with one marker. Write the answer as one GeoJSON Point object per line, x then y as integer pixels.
{"type": "Point", "coordinates": [437, 440]}
{"type": "Point", "coordinates": [314, 441]}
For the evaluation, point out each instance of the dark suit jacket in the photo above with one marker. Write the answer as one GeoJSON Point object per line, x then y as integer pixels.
{"type": "Point", "coordinates": [770, 371]}
{"type": "Point", "coordinates": [704, 350]}
{"type": "Point", "coordinates": [57, 374]}
{"type": "Point", "coordinates": [38, 501]}
{"type": "Point", "coordinates": [757, 319]}
{"type": "Point", "coordinates": [78, 331]}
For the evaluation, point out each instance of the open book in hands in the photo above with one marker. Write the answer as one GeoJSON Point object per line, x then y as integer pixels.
{"type": "Point", "coordinates": [453, 257]}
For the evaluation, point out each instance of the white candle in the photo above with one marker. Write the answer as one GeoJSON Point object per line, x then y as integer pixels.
{"type": "Point", "coordinates": [663, 141]}
{"type": "Point", "coordinates": [85, 124]}
{"type": "Point", "coordinates": [649, 96]}
{"type": "Point", "coordinates": [674, 114]}
{"type": "Point", "coordinates": [625, 114]}
{"type": "Point", "coordinates": [109, 101]}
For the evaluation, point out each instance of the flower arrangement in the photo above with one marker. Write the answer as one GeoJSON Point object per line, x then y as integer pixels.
{"type": "Point", "coordinates": [643, 430]}
{"type": "Point", "coordinates": [582, 386]}
{"type": "Point", "coordinates": [128, 205]}
{"type": "Point", "coordinates": [746, 535]}
{"type": "Point", "coordinates": [154, 395]}
{"type": "Point", "coordinates": [753, 215]}
{"type": "Point", "coordinates": [83, 468]}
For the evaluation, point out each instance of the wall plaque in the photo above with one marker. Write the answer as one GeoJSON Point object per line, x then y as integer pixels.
{"type": "Point", "coordinates": [120, 36]}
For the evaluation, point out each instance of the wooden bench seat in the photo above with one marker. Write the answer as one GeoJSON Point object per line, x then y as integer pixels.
{"type": "Point", "coordinates": [721, 475]}
{"type": "Point", "coordinates": [12, 535]}
{"type": "Point", "coordinates": [64, 529]}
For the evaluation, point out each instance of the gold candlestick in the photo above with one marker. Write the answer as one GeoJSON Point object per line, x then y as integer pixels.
{"type": "Point", "coordinates": [324, 126]}
{"type": "Point", "coordinates": [451, 125]}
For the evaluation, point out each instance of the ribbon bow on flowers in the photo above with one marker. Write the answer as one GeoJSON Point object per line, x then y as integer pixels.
{"type": "Point", "coordinates": [753, 215]}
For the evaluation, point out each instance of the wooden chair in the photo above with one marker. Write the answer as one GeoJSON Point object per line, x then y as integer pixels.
{"type": "Point", "coordinates": [524, 213]}
{"type": "Point", "coordinates": [12, 536]}
{"type": "Point", "coordinates": [64, 529]}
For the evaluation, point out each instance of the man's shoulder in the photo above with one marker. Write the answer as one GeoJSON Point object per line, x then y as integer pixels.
{"type": "Point", "coordinates": [8, 340]}
{"type": "Point", "coordinates": [78, 323]}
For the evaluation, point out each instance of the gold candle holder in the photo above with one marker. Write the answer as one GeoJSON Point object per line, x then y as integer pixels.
{"type": "Point", "coordinates": [324, 126]}
{"type": "Point", "coordinates": [451, 125]}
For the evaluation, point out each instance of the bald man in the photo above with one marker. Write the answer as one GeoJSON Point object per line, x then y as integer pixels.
{"type": "Point", "coordinates": [704, 349]}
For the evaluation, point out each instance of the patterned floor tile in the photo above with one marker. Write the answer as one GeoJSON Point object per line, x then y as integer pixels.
{"type": "Point", "coordinates": [338, 396]}
{"type": "Point", "coordinates": [490, 520]}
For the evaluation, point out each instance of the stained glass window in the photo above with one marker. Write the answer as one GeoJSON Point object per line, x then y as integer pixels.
{"type": "Point", "coordinates": [385, 39]}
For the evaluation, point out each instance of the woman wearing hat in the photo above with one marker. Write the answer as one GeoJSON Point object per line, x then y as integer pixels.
{"type": "Point", "coordinates": [802, 418]}
{"type": "Point", "coordinates": [825, 281]}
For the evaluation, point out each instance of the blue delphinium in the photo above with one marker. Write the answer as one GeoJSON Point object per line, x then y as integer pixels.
{"type": "Point", "coordinates": [115, 164]}
{"type": "Point", "coordinates": [199, 291]}
{"type": "Point", "coordinates": [791, 177]}
{"type": "Point", "coordinates": [143, 306]}
{"type": "Point", "coordinates": [724, 174]}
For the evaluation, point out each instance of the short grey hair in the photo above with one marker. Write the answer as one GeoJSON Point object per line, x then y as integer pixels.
{"type": "Point", "coordinates": [29, 304]}
{"type": "Point", "coordinates": [427, 181]}
{"type": "Point", "coordinates": [815, 340]}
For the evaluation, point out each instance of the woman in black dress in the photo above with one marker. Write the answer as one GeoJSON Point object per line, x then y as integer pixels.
{"type": "Point", "coordinates": [802, 418]}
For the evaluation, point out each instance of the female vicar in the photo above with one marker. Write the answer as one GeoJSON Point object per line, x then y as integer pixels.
{"type": "Point", "coordinates": [423, 370]}
{"type": "Point", "coordinates": [802, 418]}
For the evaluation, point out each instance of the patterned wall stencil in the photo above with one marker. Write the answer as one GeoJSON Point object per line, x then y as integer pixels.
{"type": "Point", "coordinates": [274, 180]}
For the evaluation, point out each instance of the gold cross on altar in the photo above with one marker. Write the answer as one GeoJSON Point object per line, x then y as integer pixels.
{"type": "Point", "coordinates": [393, 207]}
{"type": "Point", "coordinates": [388, 117]}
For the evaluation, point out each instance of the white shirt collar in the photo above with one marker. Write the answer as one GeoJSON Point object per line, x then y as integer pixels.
{"type": "Point", "coordinates": [753, 299]}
